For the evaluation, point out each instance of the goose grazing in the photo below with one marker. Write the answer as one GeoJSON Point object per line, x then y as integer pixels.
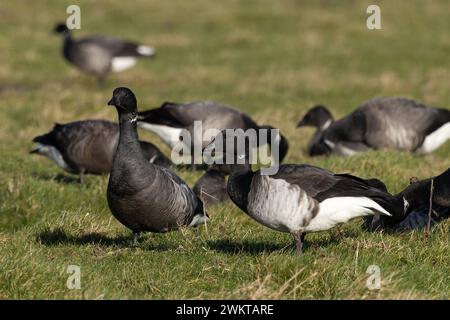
{"type": "Point", "coordinates": [170, 119]}
{"type": "Point", "coordinates": [300, 198]}
{"type": "Point", "coordinates": [141, 195]}
{"type": "Point", "coordinates": [100, 55]}
{"type": "Point", "coordinates": [417, 205]}
{"type": "Point", "coordinates": [212, 187]}
{"type": "Point", "coordinates": [395, 123]}
{"type": "Point", "coordinates": [88, 147]}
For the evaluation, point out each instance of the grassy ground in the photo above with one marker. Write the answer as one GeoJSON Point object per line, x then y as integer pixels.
{"type": "Point", "coordinates": [273, 59]}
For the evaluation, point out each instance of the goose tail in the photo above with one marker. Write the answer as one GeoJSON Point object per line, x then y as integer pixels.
{"type": "Point", "coordinates": [146, 51]}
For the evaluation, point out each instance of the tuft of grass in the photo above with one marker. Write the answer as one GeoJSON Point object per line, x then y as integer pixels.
{"type": "Point", "coordinates": [273, 60]}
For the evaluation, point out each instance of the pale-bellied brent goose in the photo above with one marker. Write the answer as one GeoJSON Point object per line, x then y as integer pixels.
{"type": "Point", "coordinates": [143, 196]}
{"type": "Point", "coordinates": [100, 55]}
{"type": "Point", "coordinates": [417, 205]}
{"type": "Point", "coordinates": [301, 198]}
{"type": "Point", "coordinates": [170, 119]}
{"type": "Point", "coordinates": [88, 146]}
{"type": "Point", "coordinates": [394, 123]}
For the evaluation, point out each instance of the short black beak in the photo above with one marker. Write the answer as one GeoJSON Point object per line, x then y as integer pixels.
{"type": "Point", "coordinates": [112, 102]}
{"type": "Point", "coordinates": [301, 123]}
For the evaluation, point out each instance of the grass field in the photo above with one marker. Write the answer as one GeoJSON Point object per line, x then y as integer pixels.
{"type": "Point", "coordinates": [273, 59]}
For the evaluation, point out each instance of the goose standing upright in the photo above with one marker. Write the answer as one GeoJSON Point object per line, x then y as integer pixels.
{"type": "Point", "coordinates": [394, 123]}
{"type": "Point", "coordinates": [88, 146]}
{"type": "Point", "coordinates": [301, 198]}
{"type": "Point", "coordinates": [100, 55]}
{"type": "Point", "coordinates": [142, 196]}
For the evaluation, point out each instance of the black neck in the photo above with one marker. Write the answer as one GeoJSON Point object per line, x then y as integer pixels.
{"type": "Point", "coordinates": [239, 184]}
{"type": "Point", "coordinates": [67, 43]}
{"type": "Point", "coordinates": [67, 36]}
{"type": "Point", "coordinates": [128, 129]}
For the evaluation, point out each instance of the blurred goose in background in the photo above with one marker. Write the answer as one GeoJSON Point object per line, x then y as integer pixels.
{"type": "Point", "coordinates": [212, 187]}
{"type": "Point", "coordinates": [395, 123]}
{"type": "Point", "coordinates": [141, 195]}
{"type": "Point", "coordinates": [301, 198]}
{"type": "Point", "coordinates": [170, 119]}
{"type": "Point", "coordinates": [417, 205]}
{"type": "Point", "coordinates": [88, 147]}
{"type": "Point", "coordinates": [100, 55]}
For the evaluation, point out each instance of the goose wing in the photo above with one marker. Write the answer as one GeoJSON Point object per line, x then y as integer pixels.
{"type": "Point", "coordinates": [322, 184]}
{"type": "Point", "coordinates": [183, 197]}
{"type": "Point", "coordinates": [401, 123]}
{"type": "Point", "coordinates": [115, 47]}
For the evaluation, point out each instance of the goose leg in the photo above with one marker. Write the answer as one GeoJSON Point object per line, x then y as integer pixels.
{"type": "Point", "coordinates": [136, 236]}
{"type": "Point", "coordinates": [82, 177]}
{"type": "Point", "coordinates": [299, 238]}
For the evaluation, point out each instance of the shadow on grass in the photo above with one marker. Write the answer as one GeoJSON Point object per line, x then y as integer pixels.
{"type": "Point", "coordinates": [59, 178]}
{"type": "Point", "coordinates": [249, 247]}
{"type": "Point", "coordinates": [58, 236]}
{"type": "Point", "coordinates": [257, 247]}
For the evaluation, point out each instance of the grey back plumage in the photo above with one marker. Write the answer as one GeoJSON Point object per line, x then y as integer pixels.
{"type": "Point", "coordinates": [88, 146]}
{"type": "Point", "coordinates": [214, 117]}
{"type": "Point", "coordinates": [212, 114]}
{"type": "Point", "coordinates": [212, 187]}
{"type": "Point", "coordinates": [390, 122]}
{"type": "Point", "coordinates": [400, 123]}
{"type": "Point", "coordinates": [95, 54]}
{"type": "Point", "coordinates": [322, 184]}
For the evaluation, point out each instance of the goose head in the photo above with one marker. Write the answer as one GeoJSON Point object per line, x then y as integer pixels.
{"type": "Point", "coordinates": [230, 146]}
{"type": "Point", "coordinates": [61, 28]}
{"type": "Point", "coordinates": [124, 100]}
{"type": "Point", "coordinates": [318, 116]}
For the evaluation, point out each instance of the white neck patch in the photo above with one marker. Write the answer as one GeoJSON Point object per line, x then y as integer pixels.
{"type": "Point", "coordinates": [326, 125]}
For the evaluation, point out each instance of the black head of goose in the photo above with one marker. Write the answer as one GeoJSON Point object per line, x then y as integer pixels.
{"type": "Point", "coordinates": [171, 119]}
{"type": "Point", "coordinates": [390, 122]}
{"type": "Point", "coordinates": [100, 55]}
{"type": "Point", "coordinates": [300, 198]}
{"type": "Point", "coordinates": [416, 199]}
{"type": "Point", "coordinates": [88, 146]}
{"type": "Point", "coordinates": [212, 187]}
{"type": "Point", "coordinates": [141, 195]}
{"type": "Point", "coordinates": [318, 117]}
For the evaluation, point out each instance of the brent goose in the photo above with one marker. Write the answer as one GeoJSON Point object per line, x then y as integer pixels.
{"type": "Point", "coordinates": [88, 147]}
{"type": "Point", "coordinates": [212, 186]}
{"type": "Point", "coordinates": [417, 205]}
{"type": "Point", "coordinates": [170, 119]}
{"type": "Point", "coordinates": [301, 198]}
{"type": "Point", "coordinates": [143, 196]}
{"type": "Point", "coordinates": [390, 122]}
{"type": "Point", "coordinates": [100, 55]}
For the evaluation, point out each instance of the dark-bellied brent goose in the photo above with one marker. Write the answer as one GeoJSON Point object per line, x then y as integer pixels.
{"type": "Point", "coordinates": [100, 55]}
{"type": "Point", "coordinates": [417, 204]}
{"type": "Point", "coordinates": [300, 198]}
{"type": "Point", "coordinates": [212, 186]}
{"type": "Point", "coordinates": [390, 122]}
{"type": "Point", "coordinates": [143, 196]}
{"type": "Point", "coordinates": [88, 146]}
{"type": "Point", "coordinates": [170, 119]}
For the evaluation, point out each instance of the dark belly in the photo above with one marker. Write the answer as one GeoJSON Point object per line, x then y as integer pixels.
{"type": "Point", "coordinates": [140, 214]}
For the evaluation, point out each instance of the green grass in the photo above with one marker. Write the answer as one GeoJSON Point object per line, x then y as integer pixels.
{"type": "Point", "coordinates": [273, 59]}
